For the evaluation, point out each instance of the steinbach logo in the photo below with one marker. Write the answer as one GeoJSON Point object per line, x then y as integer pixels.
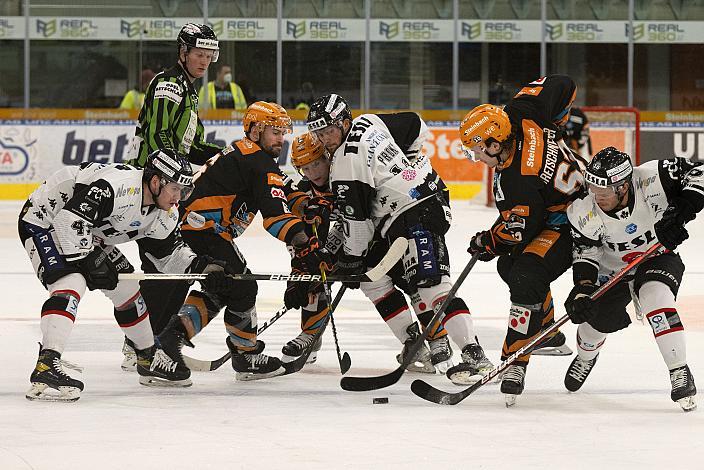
{"type": "Point", "coordinates": [296, 29]}
{"type": "Point", "coordinates": [471, 30]}
{"type": "Point", "coordinates": [166, 29]}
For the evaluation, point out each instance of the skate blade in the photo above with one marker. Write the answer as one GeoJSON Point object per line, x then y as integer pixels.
{"type": "Point", "coordinates": [687, 404]}
{"type": "Point", "coordinates": [444, 366]}
{"type": "Point", "coordinates": [40, 392]}
{"type": "Point", "coordinates": [563, 350]}
{"type": "Point", "coordinates": [129, 363]}
{"type": "Point", "coordinates": [311, 359]}
{"type": "Point", "coordinates": [418, 366]}
{"type": "Point", "coordinates": [510, 400]}
{"type": "Point", "coordinates": [249, 376]}
{"type": "Point", "coordinates": [157, 382]}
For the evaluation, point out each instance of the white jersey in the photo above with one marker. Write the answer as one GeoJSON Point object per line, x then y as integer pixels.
{"type": "Point", "coordinates": [97, 204]}
{"type": "Point", "coordinates": [374, 181]}
{"type": "Point", "coordinates": [609, 241]}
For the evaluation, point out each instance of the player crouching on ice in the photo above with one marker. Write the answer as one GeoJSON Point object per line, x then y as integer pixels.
{"type": "Point", "coordinates": [70, 226]}
{"type": "Point", "coordinates": [625, 211]}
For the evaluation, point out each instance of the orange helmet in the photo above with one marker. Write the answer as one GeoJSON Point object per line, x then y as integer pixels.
{"type": "Point", "coordinates": [266, 114]}
{"type": "Point", "coordinates": [484, 122]}
{"type": "Point", "coordinates": [306, 149]}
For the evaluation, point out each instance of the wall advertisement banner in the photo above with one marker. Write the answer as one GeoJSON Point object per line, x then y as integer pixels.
{"type": "Point", "coordinates": [345, 29]}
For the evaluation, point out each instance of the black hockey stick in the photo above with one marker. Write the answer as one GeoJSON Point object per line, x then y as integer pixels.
{"type": "Point", "coordinates": [430, 393]}
{"type": "Point", "coordinates": [362, 384]}
{"type": "Point", "coordinates": [200, 365]}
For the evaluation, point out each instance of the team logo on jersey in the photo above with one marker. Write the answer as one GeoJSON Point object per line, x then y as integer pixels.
{"type": "Point", "coordinates": [136, 223]}
{"type": "Point", "coordinates": [277, 192]}
{"type": "Point", "coordinates": [631, 228]}
{"type": "Point", "coordinates": [408, 175]}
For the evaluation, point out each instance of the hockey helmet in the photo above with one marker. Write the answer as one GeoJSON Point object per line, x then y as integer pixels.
{"type": "Point", "coordinates": [609, 168]}
{"type": "Point", "coordinates": [267, 114]}
{"type": "Point", "coordinates": [306, 149]}
{"type": "Point", "coordinates": [483, 125]}
{"type": "Point", "coordinates": [327, 111]}
{"type": "Point", "coordinates": [171, 167]}
{"type": "Point", "coordinates": [198, 35]}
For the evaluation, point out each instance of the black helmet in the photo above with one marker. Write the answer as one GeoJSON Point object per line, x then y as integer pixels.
{"type": "Point", "coordinates": [327, 111]}
{"type": "Point", "coordinates": [198, 35]}
{"type": "Point", "coordinates": [609, 167]}
{"type": "Point", "coordinates": [171, 167]}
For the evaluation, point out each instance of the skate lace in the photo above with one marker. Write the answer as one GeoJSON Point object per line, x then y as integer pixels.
{"type": "Point", "coordinates": [71, 365]}
{"type": "Point", "coordinates": [163, 361]}
{"type": "Point", "coordinates": [257, 359]}
{"type": "Point", "coordinates": [678, 377]}
{"type": "Point", "coordinates": [580, 369]}
{"type": "Point", "coordinates": [303, 340]}
{"type": "Point", "coordinates": [439, 346]}
{"type": "Point", "coordinates": [474, 354]}
{"type": "Point", "coordinates": [58, 367]}
{"type": "Point", "coordinates": [515, 374]}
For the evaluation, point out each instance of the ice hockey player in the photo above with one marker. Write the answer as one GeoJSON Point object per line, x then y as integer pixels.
{"type": "Point", "coordinates": [315, 204]}
{"type": "Point", "coordinates": [70, 226]}
{"type": "Point", "coordinates": [169, 120]}
{"type": "Point", "coordinates": [535, 180]}
{"type": "Point", "coordinates": [626, 211]}
{"type": "Point", "coordinates": [229, 191]}
{"type": "Point", "coordinates": [576, 133]}
{"type": "Point", "coordinates": [380, 193]}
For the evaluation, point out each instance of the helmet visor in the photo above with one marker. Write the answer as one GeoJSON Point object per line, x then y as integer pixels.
{"type": "Point", "coordinates": [184, 185]}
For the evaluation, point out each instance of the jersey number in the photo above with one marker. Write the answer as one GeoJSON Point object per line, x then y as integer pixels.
{"type": "Point", "coordinates": [567, 179]}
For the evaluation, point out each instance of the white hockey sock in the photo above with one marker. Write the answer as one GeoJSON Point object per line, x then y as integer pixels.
{"type": "Point", "coordinates": [140, 333]}
{"type": "Point", "coordinates": [658, 303]}
{"type": "Point", "coordinates": [56, 329]}
{"type": "Point", "coordinates": [589, 341]}
{"type": "Point", "coordinates": [460, 327]}
{"type": "Point", "coordinates": [399, 322]}
{"type": "Point", "coordinates": [457, 320]}
{"type": "Point", "coordinates": [59, 313]}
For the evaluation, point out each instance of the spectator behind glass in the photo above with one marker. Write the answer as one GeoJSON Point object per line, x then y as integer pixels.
{"type": "Point", "coordinates": [134, 99]}
{"type": "Point", "coordinates": [223, 92]}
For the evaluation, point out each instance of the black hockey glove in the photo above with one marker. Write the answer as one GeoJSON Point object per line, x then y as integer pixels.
{"type": "Point", "coordinates": [218, 281]}
{"type": "Point", "coordinates": [99, 271]}
{"type": "Point", "coordinates": [317, 211]}
{"type": "Point", "coordinates": [580, 308]}
{"type": "Point", "coordinates": [349, 265]}
{"type": "Point", "coordinates": [481, 245]}
{"type": "Point", "coordinates": [311, 258]}
{"type": "Point", "coordinates": [670, 229]}
{"type": "Point", "coordinates": [300, 294]}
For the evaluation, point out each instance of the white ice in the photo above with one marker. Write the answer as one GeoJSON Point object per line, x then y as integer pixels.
{"type": "Point", "coordinates": [622, 418]}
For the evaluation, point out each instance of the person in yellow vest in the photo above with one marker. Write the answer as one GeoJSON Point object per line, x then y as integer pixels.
{"type": "Point", "coordinates": [223, 92]}
{"type": "Point", "coordinates": [134, 98]}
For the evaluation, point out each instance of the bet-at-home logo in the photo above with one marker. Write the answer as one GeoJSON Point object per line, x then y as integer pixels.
{"type": "Point", "coordinates": [5, 28]}
{"type": "Point", "coordinates": [471, 30]}
{"type": "Point", "coordinates": [657, 32]}
{"type": "Point", "coordinates": [153, 29]}
{"type": "Point", "coordinates": [67, 28]}
{"type": "Point", "coordinates": [238, 29]}
{"type": "Point", "coordinates": [409, 30]}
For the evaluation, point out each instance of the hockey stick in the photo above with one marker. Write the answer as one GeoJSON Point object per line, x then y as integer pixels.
{"type": "Point", "coordinates": [200, 365]}
{"type": "Point", "coordinates": [430, 393]}
{"type": "Point", "coordinates": [344, 361]}
{"type": "Point", "coordinates": [396, 250]}
{"type": "Point", "coordinates": [361, 384]}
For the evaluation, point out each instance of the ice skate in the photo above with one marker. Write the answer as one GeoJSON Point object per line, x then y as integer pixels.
{"type": "Point", "coordinates": [441, 354]}
{"type": "Point", "coordinates": [513, 382]}
{"type": "Point", "coordinates": [555, 346]}
{"type": "Point", "coordinates": [474, 366]}
{"type": "Point", "coordinates": [578, 372]}
{"type": "Point", "coordinates": [50, 382]}
{"type": "Point", "coordinates": [422, 362]}
{"type": "Point", "coordinates": [683, 388]}
{"type": "Point", "coordinates": [253, 365]}
{"type": "Point", "coordinates": [157, 369]}
{"type": "Point", "coordinates": [129, 361]}
{"type": "Point", "coordinates": [295, 348]}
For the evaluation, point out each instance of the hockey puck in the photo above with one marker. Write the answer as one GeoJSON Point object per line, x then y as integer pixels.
{"type": "Point", "coordinates": [380, 400]}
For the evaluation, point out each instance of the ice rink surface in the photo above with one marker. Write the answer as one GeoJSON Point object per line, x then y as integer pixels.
{"type": "Point", "coordinates": [622, 418]}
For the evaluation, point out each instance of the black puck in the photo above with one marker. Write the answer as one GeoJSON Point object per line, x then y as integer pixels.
{"type": "Point", "coordinates": [380, 400]}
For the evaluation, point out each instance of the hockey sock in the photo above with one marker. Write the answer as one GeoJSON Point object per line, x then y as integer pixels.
{"type": "Point", "coordinates": [658, 301]}
{"type": "Point", "coordinates": [589, 341]}
{"type": "Point", "coordinates": [549, 310]}
{"type": "Point", "coordinates": [58, 316]}
{"type": "Point", "coordinates": [242, 328]}
{"type": "Point", "coordinates": [524, 323]}
{"type": "Point", "coordinates": [424, 319]}
{"type": "Point", "coordinates": [458, 322]}
{"type": "Point", "coordinates": [312, 316]}
{"type": "Point", "coordinates": [197, 312]}
{"type": "Point", "coordinates": [131, 317]}
{"type": "Point", "coordinates": [394, 310]}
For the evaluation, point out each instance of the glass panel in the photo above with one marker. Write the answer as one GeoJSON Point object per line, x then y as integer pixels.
{"type": "Point", "coordinates": [253, 68]}
{"type": "Point", "coordinates": [323, 9]}
{"type": "Point", "coordinates": [686, 80]}
{"type": "Point", "coordinates": [312, 69]}
{"type": "Point", "coordinates": [12, 73]}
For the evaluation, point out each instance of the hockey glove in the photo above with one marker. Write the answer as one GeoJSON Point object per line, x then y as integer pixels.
{"type": "Point", "coordinates": [670, 229]}
{"type": "Point", "coordinates": [349, 265]}
{"type": "Point", "coordinates": [311, 258]}
{"type": "Point", "coordinates": [481, 245]}
{"type": "Point", "coordinates": [580, 308]}
{"type": "Point", "coordinates": [317, 211]}
{"type": "Point", "coordinates": [99, 271]}
{"type": "Point", "coordinates": [300, 294]}
{"type": "Point", "coordinates": [218, 281]}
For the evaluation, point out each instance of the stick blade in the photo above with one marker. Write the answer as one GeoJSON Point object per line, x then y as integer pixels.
{"type": "Point", "coordinates": [365, 384]}
{"type": "Point", "coordinates": [345, 363]}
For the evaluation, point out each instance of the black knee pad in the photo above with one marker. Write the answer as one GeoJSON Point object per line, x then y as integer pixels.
{"type": "Point", "coordinates": [246, 297]}
{"type": "Point", "coordinates": [64, 304]}
{"type": "Point", "coordinates": [136, 312]}
{"type": "Point", "coordinates": [528, 283]}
